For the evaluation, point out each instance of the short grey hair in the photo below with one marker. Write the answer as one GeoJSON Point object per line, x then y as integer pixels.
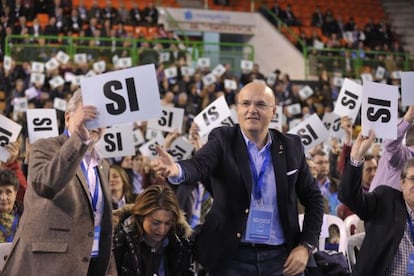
{"type": "Point", "coordinates": [74, 101]}
{"type": "Point", "coordinates": [408, 164]}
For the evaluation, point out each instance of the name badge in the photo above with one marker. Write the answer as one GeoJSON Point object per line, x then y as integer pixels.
{"type": "Point", "coordinates": [95, 245]}
{"type": "Point", "coordinates": [259, 225]}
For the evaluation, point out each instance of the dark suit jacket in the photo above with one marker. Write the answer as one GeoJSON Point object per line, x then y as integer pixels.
{"type": "Point", "coordinates": [56, 231]}
{"type": "Point", "coordinates": [384, 213]}
{"type": "Point", "coordinates": [224, 158]}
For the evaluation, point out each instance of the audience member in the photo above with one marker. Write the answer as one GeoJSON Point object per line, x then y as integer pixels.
{"type": "Point", "coordinates": [258, 198]}
{"type": "Point", "coordinates": [387, 214]}
{"type": "Point", "coordinates": [67, 215]}
{"type": "Point", "coordinates": [10, 209]}
{"type": "Point", "coordinates": [395, 154]}
{"type": "Point", "coordinates": [152, 237]}
{"type": "Point", "coordinates": [120, 187]}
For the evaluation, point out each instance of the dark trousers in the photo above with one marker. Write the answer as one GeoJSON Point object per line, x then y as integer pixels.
{"type": "Point", "coordinates": [255, 261]}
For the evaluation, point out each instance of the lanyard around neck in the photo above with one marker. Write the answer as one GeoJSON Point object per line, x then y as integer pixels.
{"type": "Point", "coordinates": [258, 179]}
{"type": "Point", "coordinates": [96, 190]}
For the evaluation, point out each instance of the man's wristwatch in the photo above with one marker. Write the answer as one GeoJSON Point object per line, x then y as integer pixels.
{"type": "Point", "coordinates": [308, 246]}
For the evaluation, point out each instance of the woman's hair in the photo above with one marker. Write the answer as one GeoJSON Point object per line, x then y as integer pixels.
{"type": "Point", "coordinates": [126, 184]}
{"type": "Point", "coordinates": [153, 198]}
{"type": "Point", "coordinates": [8, 177]}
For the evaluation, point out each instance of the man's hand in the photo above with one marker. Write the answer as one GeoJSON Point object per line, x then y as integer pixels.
{"type": "Point", "coordinates": [346, 125]}
{"type": "Point", "coordinates": [296, 261]}
{"type": "Point", "coordinates": [409, 115]}
{"type": "Point", "coordinates": [79, 118]}
{"type": "Point", "coordinates": [362, 145]}
{"type": "Point", "coordinates": [13, 150]}
{"type": "Point", "coordinates": [165, 165]}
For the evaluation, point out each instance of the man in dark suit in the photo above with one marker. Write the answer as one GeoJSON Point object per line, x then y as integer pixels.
{"type": "Point", "coordinates": [387, 213]}
{"type": "Point", "coordinates": [256, 176]}
{"type": "Point", "coordinates": [66, 227]}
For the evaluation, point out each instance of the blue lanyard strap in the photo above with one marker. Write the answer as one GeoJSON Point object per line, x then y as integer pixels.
{"type": "Point", "coordinates": [95, 192]}
{"type": "Point", "coordinates": [411, 226]}
{"type": "Point", "coordinates": [9, 238]}
{"type": "Point", "coordinates": [259, 179]}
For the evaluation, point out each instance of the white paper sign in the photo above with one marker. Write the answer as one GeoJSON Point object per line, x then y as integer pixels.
{"type": "Point", "coordinates": [294, 109]}
{"type": "Point", "coordinates": [366, 77]}
{"type": "Point", "coordinates": [211, 116]}
{"type": "Point", "coordinates": [99, 66]}
{"type": "Point", "coordinates": [31, 93]}
{"type": "Point", "coordinates": [203, 62]}
{"type": "Point", "coordinates": [164, 57]}
{"type": "Point", "coordinates": [338, 81]}
{"type": "Point", "coordinates": [396, 75]}
{"type": "Point", "coordinates": [90, 73]}
{"type": "Point", "coordinates": [246, 65]}
{"type": "Point", "coordinates": [312, 131]}
{"type": "Point", "coordinates": [148, 149]}
{"type": "Point", "coordinates": [37, 78]}
{"type": "Point", "coordinates": [230, 84]}
{"type": "Point", "coordinates": [380, 110]}
{"type": "Point", "coordinates": [37, 67]}
{"type": "Point", "coordinates": [170, 72]}
{"type": "Point", "coordinates": [276, 122]}
{"type": "Point", "coordinates": [77, 80]}
{"type": "Point", "coordinates": [52, 64]}
{"type": "Point", "coordinates": [151, 134]}
{"type": "Point", "coordinates": [332, 123]}
{"type": "Point", "coordinates": [20, 104]}
{"type": "Point", "coordinates": [209, 79]}
{"type": "Point", "coordinates": [123, 96]}
{"type": "Point", "coordinates": [138, 137]}
{"type": "Point", "coordinates": [187, 71]}
{"type": "Point", "coordinates": [62, 57]}
{"type": "Point", "coordinates": [80, 58]}
{"type": "Point", "coordinates": [180, 149]}
{"type": "Point", "coordinates": [219, 70]}
{"type": "Point", "coordinates": [41, 123]}
{"type": "Point", "coordinates": [305, 92]}
{"type": "Point", "coordinates": [349, 100]}
{"type": "Point", "coordinates": [9, 131]}
{"type": "Point", "coordinates": [171, 119]}
{"type": "Point", "coordinates": [69, 77]}
{"type": "Point", "coordinates": [271, 79]}
{"type": "Point", "coordinates": [232, 119]}
{"type": "Point", "coordinates": [379, 73]}
{"type": "Point", "coordinates": [7, 62]}
{"type": "Point", "coordinates": [125, 62]}
{"type": "Point", "coordinates": [117, 141]}
{"type": "Point", "coordinates": [407, 84]}
{"type": "Point", "coordinates": [60, 104]}
{"type": "Point", "coordinates": [56, 82]}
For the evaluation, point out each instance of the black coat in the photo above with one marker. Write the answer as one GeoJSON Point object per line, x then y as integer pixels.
{"type": "Point", "coordinates": [224, 159]}
{"type": "Point", "coordinates": [135, 258]}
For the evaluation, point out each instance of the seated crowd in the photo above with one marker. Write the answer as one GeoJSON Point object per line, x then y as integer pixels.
{"type": "Point", "coordinates": [132, 179]}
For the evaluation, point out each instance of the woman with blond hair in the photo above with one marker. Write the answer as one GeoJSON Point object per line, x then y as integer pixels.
{"type": "Point", "coordinates": [152, 237]}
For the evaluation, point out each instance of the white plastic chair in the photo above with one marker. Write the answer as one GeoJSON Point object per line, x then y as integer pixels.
{"type": "Point", "coordinates": [354, 243]}
{"type": "Point", "coordinates": [353, 221]}
{"type": "Point", "coordinates": [327, 221]}
{"type": "Point", "coordinates": [5, 248]}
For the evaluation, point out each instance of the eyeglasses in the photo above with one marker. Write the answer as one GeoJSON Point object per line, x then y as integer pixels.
{"type": "Point", "coordinates": [257, 105]}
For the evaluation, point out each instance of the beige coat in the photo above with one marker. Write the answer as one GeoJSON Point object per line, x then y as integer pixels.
{"type": "Point", "coordinates": [55, 234]}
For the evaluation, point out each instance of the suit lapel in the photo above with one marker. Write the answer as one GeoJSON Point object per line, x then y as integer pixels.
{"type": "Point", "coordinates": [242, 159]}
{"type": "Point", "coordinates": [278, 152]}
